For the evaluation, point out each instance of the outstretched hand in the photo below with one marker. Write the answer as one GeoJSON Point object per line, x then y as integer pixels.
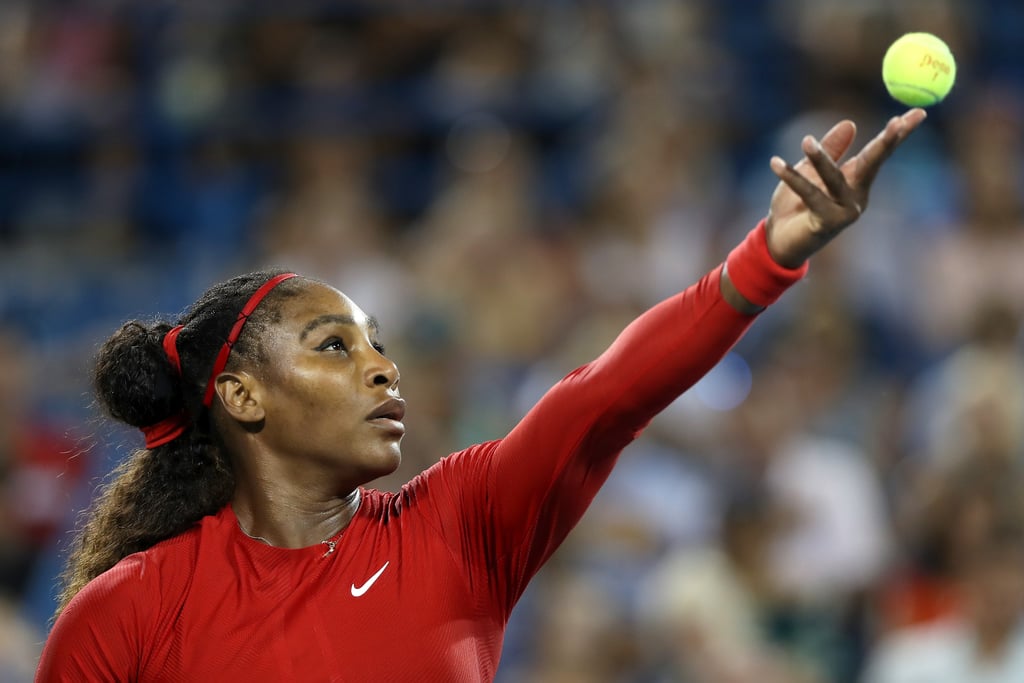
{"type": "Point", "coordinates": [817, 197]}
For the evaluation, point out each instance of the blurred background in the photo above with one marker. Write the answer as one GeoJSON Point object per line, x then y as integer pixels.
{"type": "Point", "coordinates": [505, 184]}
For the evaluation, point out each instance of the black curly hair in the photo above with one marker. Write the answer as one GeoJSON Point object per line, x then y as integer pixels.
{"type": "Point", "coordinates": [157, 493]}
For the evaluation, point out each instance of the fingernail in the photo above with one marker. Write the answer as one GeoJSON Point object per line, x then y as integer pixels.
{"type": "Point", "coordinates": [777, 164]}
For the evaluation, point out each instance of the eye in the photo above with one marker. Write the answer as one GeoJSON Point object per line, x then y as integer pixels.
{"type": "Point", "coordinates": [379, 348]}
{"type": "Point", "coordinates": [332, 344]}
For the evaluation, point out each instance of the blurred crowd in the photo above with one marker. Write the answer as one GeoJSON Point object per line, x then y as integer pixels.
{"type": "Point", "coordinates": [504, 185]}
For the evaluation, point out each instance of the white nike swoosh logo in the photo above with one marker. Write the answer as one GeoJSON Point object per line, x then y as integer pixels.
{"type": "Point", "coordinates": [357, 592]}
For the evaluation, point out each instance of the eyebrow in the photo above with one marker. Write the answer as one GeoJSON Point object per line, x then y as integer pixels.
{"type": "Point", "coordinates": [337, 318]}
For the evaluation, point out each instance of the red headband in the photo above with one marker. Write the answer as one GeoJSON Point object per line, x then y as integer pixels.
{"type": "Point", "coordinates": [243, 316]}
{"type": "Point", "coordinates": [171, 428]}
{"type": "Point", "coordinates": [174, 426]}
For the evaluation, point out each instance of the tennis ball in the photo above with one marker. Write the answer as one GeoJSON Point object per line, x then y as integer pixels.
{"type": "Point", "coordinates": [918, 69]}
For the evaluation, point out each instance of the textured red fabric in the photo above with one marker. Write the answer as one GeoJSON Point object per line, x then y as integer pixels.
{"type": "Point", "coordinates": [452, 551]}
{"type": "Point", "coordinates": [756, 275]}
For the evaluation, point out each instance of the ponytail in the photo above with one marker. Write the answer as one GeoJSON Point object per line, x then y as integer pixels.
{"type": "Point", "coordinates": [161, 491]}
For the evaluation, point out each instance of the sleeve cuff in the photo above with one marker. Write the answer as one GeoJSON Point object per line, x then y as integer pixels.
{"type": "Point", "coordinates": [754, 272]}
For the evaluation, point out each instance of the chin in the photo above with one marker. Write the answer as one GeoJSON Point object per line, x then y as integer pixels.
{"type": "Point", "coordinates": [385, 463]}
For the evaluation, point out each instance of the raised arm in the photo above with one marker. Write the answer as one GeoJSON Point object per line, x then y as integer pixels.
{"type": "Point", "coordinates": [532, 487]}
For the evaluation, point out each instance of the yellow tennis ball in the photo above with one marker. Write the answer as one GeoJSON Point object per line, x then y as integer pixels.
{"type": "Point", "coordinates": [918, 69]}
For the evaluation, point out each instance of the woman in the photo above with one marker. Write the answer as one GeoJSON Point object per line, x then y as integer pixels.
{"type": "Point", "coordinates": [241, 544]}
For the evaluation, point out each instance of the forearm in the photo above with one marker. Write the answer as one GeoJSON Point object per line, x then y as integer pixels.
{"type": "Point", "coordinates": [553, 462]}
{"type": "Point", "coordinates": [666, 349]}
{"type": "Point", "coordinates": [545, 473]}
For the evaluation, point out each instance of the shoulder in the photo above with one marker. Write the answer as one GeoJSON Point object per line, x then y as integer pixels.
{"type": "Point", "coordinates": [434, 490]}
{"type": "Point", "coordinates": [111, 595]}
{"type": "Point", "coordinates": [140, 579]}
{"type": "Point", "coordinates": [464, 463]}
{"type": "Point", "coordinates": [101, 632]}
{"type": "Point", "coordinates": [450, 474]}
{"type": "Point", "coordinates": [106, 630]}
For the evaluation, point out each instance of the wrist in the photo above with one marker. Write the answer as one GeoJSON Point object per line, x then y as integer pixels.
{"type": "Point", "coordinates": [795, 254]}
{"type": "Point", "coordinates": [756, 274]}
{"type": "Point", "coordinates": [733, 297]}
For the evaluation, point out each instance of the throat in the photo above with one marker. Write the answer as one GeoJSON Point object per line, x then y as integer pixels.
{"type": "Point", "coordinates": [300, 536]}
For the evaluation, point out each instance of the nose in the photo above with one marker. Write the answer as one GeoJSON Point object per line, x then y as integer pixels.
{"type": "Point", "coordinates": [382, 371]}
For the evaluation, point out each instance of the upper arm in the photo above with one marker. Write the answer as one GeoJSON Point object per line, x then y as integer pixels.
{"type": "Point", "coordinates": [516, 499]}
{"type": "Point", "coordinates": [97, 636]}
{"type": "Point", "coordinates": [551, 465]}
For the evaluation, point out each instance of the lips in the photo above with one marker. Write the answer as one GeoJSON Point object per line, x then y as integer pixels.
{"type": "Point", "coordinates": [392, 409]}
{"type": "Point", "coordinates": [388, 417]}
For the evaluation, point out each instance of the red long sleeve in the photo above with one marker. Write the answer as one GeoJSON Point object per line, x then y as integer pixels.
{"type": "Point", "coordinates": [519, 497]}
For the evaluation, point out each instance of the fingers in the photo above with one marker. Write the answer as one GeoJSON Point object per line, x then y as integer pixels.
{"type": "Point", "coordinates": [869, 160]}
{"type": "Point", "coordinates": [835, 196]}
{"type": "Point", "coordinates": [837, 192]}
{"type": "Point", "coordinates": [816, 200]}
{"type": "Point", "coordinates": [830, 174]}
{"type": "Point", "coordinates": [838, 139]}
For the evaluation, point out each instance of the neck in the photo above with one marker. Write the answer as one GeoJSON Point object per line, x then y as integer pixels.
{"type": "Point", "coordinates": [288, 522]}
{"type": "Point", "coordinates": [289, 502]}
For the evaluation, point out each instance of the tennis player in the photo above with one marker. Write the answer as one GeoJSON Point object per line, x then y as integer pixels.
{"type": "Point", "coordinates": [243, 544]}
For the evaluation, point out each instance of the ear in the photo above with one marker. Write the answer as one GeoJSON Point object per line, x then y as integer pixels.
{"type": "Point", "coordinates": [239, 393]}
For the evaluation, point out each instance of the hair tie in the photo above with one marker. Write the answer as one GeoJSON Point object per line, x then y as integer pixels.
{"type": "Point", "coordinates": [170, 344]}
{"type": "Point", "coordinates": [236, 330]}
{"type": "Point", "coordinates": [172, 427]}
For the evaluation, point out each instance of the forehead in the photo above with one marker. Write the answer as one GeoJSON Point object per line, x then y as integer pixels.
{"type": "Point", "coordinates": [319, 304]}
